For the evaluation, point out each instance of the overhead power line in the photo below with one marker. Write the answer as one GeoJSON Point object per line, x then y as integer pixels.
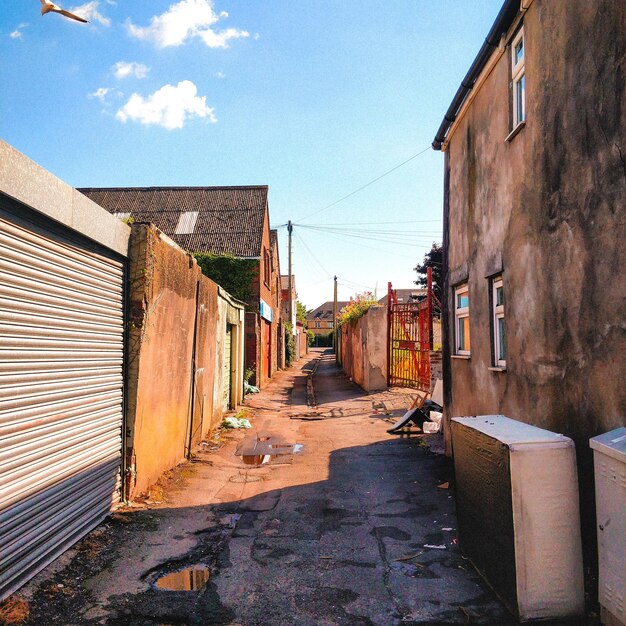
{"type": "Point", "coordinates": [362, 187]}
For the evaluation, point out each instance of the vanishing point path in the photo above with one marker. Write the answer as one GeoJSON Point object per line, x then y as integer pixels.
{"type": "Point", "coordinates": [357, 527]}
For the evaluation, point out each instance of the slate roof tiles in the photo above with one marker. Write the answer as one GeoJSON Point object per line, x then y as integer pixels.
{"type": "Point", "coordinates": [230, 219]}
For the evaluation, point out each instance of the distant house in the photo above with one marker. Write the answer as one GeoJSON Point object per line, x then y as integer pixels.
{"type": "Point", "coordinates": [534, 229]}
{"type": "Point", "coordinates": [219, 220]}
{"type": "Point", "coordinates": [406, 295]}
{"type": "Point", "coordinates": [320, 320]}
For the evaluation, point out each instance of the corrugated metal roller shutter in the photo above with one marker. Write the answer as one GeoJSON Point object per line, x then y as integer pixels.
{"type": "Point", "coordinates": [61, 352]}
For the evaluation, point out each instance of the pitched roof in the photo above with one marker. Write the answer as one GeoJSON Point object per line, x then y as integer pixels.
{"type": "Point", "coordinates": [284, 282]}
{"type": "Point", "coordinates": [229, 220]}
{"type": "Point", "coordinates": [406, 295]}
{"type": "Point", "coordinates": [325, 311]}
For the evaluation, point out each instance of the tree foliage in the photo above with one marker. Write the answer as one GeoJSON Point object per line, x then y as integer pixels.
{"type": "Point", "coordinates": [231, 273]}
{"type": "Point", "coordinates": [433, 259]}
{"type": "Point", "coordinates": [301, 312]}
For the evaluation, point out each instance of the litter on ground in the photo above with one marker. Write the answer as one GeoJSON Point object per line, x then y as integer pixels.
{"type": "Point", "coordinates": [236, 422]}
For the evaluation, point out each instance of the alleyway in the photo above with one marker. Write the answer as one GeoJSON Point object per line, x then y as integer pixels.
{"type": "Point", "coordinates": [337, 533]}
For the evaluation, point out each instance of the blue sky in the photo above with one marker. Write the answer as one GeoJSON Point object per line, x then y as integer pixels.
{"type": "Point", "coordinates": [313, 98]}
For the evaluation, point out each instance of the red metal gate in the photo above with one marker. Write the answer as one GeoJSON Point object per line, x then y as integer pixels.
{"type": "Point", "coordinates": [410, 340]}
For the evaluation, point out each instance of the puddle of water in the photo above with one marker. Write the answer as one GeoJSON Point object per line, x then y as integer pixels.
{"type": "Point", "coordinates": [256, 460]}
{"type": "Point", "coordinates": [190, 579]}
{"type": "Point", "coordinates": [257, 451]}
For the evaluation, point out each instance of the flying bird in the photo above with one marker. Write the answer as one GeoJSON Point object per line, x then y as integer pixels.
{"type": "Point", "coordinates": [47, 7]}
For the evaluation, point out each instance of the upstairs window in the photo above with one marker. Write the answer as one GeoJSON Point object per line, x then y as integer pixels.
{"type": "Point", "coordinates": [318, 325]}
{"type": "Point", "coordinates": [462, 320]}
{"type": "Point", "coordinates": [499, 337]}
{"type": "Point", "coordinates": [267, 267]}
{"type": "Point", "coordinates": [518, 78]}
{"type": "Point", "coordinates": [331, 324]}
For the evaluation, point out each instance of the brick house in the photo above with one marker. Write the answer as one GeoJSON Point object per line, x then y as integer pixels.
{"type": "Point", "coordinates": [534, 195]}
{"type": "Point", "coordinates": [320, 320]}
{"type": "Point", "coordinates": [219, 220]}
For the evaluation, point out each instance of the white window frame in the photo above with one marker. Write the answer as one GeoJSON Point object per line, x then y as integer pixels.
{"type": "Point", "coordinates": [331, 324]}
{"type": "Point", "coordinates": [318, 325]}
{"type": "Point", "coordinates": [460, 313]}
{"type": "Point", "coordinates": [518, 80]}
{"type": "Point", "coordinates": [497, 315]}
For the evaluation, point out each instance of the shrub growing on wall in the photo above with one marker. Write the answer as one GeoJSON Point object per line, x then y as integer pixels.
{"type": "Point", "coordinates": [357, 308]}
{"type": "Point", "coordinates": [290, 345]}
{"type": "Point", "coordinates": [229, 272]}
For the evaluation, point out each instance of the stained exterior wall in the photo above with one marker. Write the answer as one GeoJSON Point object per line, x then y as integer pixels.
{"type": "Point", "coordinates": [547, 208]}
{"type": "Point", "coordinates": [174, 322]}
{"type": "Point", "coordinates": [364, 350]}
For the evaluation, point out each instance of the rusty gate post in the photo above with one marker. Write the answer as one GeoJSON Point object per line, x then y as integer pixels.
{"type": "Point", "coordinates": [389, 334]}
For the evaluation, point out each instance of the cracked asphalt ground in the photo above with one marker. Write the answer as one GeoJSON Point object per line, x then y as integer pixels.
{"type": "Point", "coordinates": [336, 534]}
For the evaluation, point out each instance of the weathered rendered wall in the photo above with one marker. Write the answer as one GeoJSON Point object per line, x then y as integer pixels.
{"type": "Point", "coordinates": [548, 207]}
{"type": "Point", "coordinates": [364, 350]}
{"type": "Point", "coordinates": [173, 307]}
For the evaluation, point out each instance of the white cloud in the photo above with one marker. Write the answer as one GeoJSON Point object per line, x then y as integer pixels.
{"type": "Point", "coordinates": [100, 93]}
{"type": "Point", "coordinates": [169, 107]}
{"type": "Point", "coordinates": [122, 70]}
{"type": "Point", "coordinates": [90, 12]}
{"type": "Point", "coordinates": [219, 75]}
{"type": "Point", "coordinates": [185, 20]}
{"type": "Point", "coordinates": [221, 39]}
{"type": "Point", "coordinates": [17, 33]}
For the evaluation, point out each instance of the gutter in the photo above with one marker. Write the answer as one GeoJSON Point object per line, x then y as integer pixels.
{"type": "Point", "coordinates": [503, 22]}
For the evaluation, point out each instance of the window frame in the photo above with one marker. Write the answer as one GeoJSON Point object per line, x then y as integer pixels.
{"type": "Point", "coordinates": [267, 267]}
{"type": "Point", "coordinates": [460, 313]}
{"type": "Point", "coordinates": [498, 312]}
{"type": "Point", "coordinates": [518, 80]}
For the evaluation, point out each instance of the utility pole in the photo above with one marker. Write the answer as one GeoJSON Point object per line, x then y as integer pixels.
{"type": "Point", "coordinates": [290, 231]}
{"type": "Point", "coordinates": [335, 329]}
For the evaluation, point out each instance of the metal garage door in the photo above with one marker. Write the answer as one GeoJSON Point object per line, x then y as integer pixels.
{"type": "Point", "coordinates": [227, 375]}
{"type": "Point", "coordinates": [61, 350]}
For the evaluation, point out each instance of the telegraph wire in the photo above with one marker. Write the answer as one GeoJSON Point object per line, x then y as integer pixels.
{"type": "Point", "coordinates": [371, 182]}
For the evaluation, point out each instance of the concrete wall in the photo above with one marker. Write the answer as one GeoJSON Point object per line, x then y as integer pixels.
{"type": "Point", "coordinates": [364, 350]}
{"type": "Point", "coordinates": [177, 319]}
{"type": "Point", "coordinates": [29, 183]}
{"type": "Point", "coordinates": [547, 209]}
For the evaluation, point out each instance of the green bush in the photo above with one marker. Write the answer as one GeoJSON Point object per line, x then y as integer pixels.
{"type": "Point", "coordinates": [231, 273]}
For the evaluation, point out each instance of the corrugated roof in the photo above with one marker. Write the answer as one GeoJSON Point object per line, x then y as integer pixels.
{"type": "Point", "coordinates": [230, 219]}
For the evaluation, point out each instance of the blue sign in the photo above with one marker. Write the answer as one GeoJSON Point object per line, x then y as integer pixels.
{"type": "Point", "coordinates": [266, 310]}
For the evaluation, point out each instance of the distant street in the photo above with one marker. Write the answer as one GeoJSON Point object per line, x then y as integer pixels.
{"type": "Point", "coordinates": [337, 533]}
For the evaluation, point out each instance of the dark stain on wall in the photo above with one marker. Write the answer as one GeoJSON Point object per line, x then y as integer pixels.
{"type": "Point", "coordinates": [552, 201]}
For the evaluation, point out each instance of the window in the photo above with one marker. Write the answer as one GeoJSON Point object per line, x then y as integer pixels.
{"type": "Point", "coordinates": [318, 325]}
{"type": "Point", "coordinates": [518, 78]}
{"type": "Point", "coordinates": [267, 267]}
{"type": "Point", "coordinates": [499, 336]}
{"type": "Point", "coordinates": [462, 321]}
{"type": "Point", "coordinates": [331, 324]}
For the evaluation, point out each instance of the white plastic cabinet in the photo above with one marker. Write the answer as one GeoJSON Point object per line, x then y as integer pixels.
{"type": "Point", "coordinates": [518, 513]}
{"type": "Point", "coordinates": [609, 457]}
